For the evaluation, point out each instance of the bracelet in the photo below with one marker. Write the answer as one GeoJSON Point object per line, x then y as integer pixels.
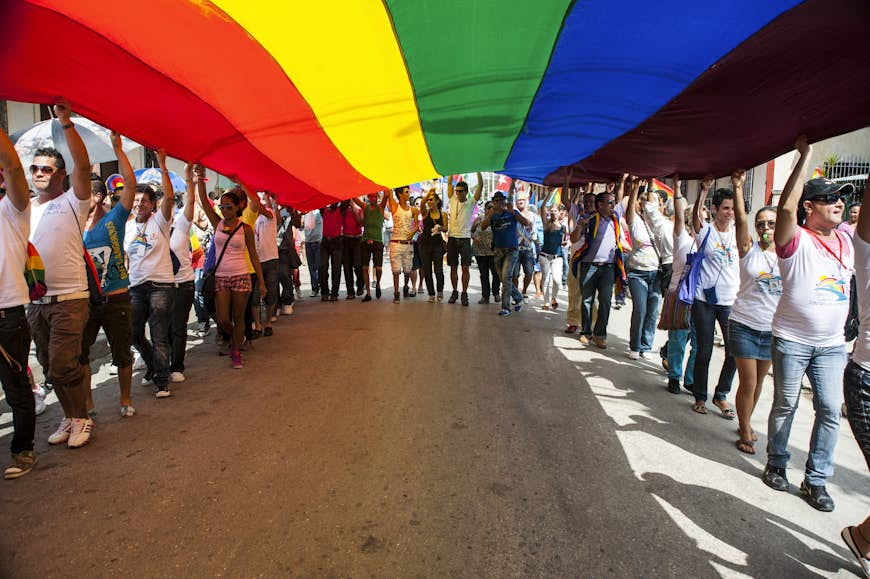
{"type": "Point", "coordinates": [679, 197]}
{"type": "Point", "coordinates": [66, 126]}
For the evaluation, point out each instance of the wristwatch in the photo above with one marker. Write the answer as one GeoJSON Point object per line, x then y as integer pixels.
{"type": "Point", "coordinates": [66, 126]}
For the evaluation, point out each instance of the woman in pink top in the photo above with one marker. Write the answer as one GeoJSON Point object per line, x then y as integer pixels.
{"type": "Point", "coordinates": [232, 280]}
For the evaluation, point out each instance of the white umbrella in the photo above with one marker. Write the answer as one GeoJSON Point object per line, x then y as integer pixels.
{"type": "Point", "coordinates": [49, 134]}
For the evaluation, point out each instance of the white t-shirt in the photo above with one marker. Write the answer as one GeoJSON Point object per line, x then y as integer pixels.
{"type": "Point", "coordinates": [14, 231]}
{"type": "Point", "coordinates": [643, 254]}
{"type": "Point", "coordinates": [56, 232]}
{"type": "Point", "coordinates": [266, 237]}
{"type": "Point", "coordinates": [460, 214]}
{"type": "Point", "coordinates": [760, 289]}
{"type": "Point", "coordinates": [720, 266]}
{"type": "Point", "coordinates": [682, 246]}
{"type": "Point", "coordinates": [147, 247]}
{"type": "Point", "coordinates": [861, 355]}
{"type": "Point", "coordinates": [815, 292]}
{"type": "Point", "coordinates": [179, 242]}
{"type": "Point", "coordinates": [662, 230]}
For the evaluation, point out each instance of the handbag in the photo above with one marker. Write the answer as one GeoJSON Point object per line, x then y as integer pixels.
{"type": "Point", "coordinates": [692, 272]}
{"type": "Point", "coordinates": [210, 271]}
{"type": "Point", "coordinates": [676, 314]}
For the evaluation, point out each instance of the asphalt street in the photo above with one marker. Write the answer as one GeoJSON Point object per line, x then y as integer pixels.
{"type": "Point", "coordinates": [420, 440]}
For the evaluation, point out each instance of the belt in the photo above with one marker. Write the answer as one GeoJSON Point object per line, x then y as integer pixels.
{"type": "Point", "coordinates": [9, 311]}
{"type": "Point", "coordinates": [123, 296]}
{"type": "Point", "coordinates": [600, 263]}
{"type": "Point", "coordinates": [402, 241]}
{"type": "Point", "coordinates": [547, 254]}
{"type": "Point", "coordinates": [62, 298]}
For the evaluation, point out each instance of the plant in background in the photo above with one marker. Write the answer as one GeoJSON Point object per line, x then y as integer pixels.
{"type": "Point", "coordinates": [830, 162]}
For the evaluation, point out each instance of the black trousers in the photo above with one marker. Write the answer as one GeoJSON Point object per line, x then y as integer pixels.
{"type": "Point", "coordinates": [432, 258]}
{"type": "Point", "coordinates": [486, 265]}
{"type": "Point", "coordinates": [351, 261]}
{"type": "Point", "coordinates": [330, 256]}
{"type": "Point", "coordinates": [15, 340]}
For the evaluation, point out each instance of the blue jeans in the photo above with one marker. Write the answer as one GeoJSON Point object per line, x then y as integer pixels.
{"type": "Point", "coordinates": [856, 392]}
{"type": "Point", "coordinates": [676, 351]}
{"type": "Point", "coordinates": [198, 301]}
{"type": "Point", "coordinates": [152, 303]}
{"type": "Point", "coordinates": [506, 260]}
{"type": "Point", "coordinates": [565, 265]}
{"type": "Point", "coordinates": [312, 256]}
{"type": "Point", "coordinates": [824, 366]}
{"type": "Point", "coordinates": [646, 299]}
{"type": "Point", "coordinates": [596, 279]}
{"type": "Point", "coordinates": [704, 317]}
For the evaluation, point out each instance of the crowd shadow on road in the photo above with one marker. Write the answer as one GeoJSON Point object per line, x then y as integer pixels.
{"type": "Point", "coordinates": [713, 492]}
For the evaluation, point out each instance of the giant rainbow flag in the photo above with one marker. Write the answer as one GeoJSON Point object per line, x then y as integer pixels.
{"type": "Point", "coordinates": [320, 100]}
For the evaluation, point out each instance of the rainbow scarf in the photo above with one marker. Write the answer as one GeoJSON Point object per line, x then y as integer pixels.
{"type": "Point", "coordinates": [580, 253]}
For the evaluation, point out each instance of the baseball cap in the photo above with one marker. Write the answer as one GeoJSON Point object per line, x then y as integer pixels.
{"type": "Point", "coordinates": [819, 187]}
{"type": "Point", "coordinates": [499, 196]}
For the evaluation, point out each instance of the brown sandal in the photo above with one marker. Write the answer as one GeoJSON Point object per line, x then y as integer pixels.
{"type": "Point", "coordinates": [746, 446]}
{"type": "Point", "coordinates": [699, 407]}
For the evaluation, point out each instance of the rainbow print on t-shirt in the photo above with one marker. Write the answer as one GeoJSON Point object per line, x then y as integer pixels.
{"type": "Point", "coordinates": [769, 283]}
{"type": "Point", "coordinates": [830, 290]}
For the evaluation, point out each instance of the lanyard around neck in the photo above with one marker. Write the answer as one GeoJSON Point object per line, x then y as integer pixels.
{"type": "Point", "coordinates": [838, 256]}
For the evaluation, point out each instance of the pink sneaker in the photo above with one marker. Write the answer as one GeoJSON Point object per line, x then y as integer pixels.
{"type": "Point", "coordinates": [236, 358]}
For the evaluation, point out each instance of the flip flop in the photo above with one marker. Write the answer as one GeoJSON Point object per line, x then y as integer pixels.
{"type": "Point", "coordinates": [727, 413]}
{"type": "Point", "coordinates": [746, 446]}
{"type": "Point", "coordinates": [754, 436]}
{"type": "Point", "coordinates": [699, 407]}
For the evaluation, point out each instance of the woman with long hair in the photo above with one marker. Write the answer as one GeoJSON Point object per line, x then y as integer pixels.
{"type": "Point", "coordinates": [432, 244]}
{"type": "Point", "coordinates": [233, 243]}
{"type": "Point", "coordinates": [750, 324]}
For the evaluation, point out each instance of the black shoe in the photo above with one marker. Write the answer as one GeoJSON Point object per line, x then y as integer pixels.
{"type": "Point", "coordinates": [817, 496]}
{"type": "Point", "coordinates": [333, 297]}
{"type": "Point", "coordinates": [267, 331]}
{"type": "Point", "coordinates": [368, 298]}
{"type": "Point", "coordinates": [774, 477]}
{"type": "Point", "coordinates": [464, 299]}
{"type": "Point", "coordinates": [396, 298]}
{"type": "Point", "coordinates": [360, 291]}
{"type": "Point", "coordinates": [350, 296]}
{"type": "Point", "coordinates": [256, 334]}
{"type": "Point", "coordinates": [496, 297]}
{"type": "Point", "coordinates": [483, 301]}
{"type": "Point", "coordinates": [674, 386]}
{"type": "Point", "coordinates": [378, 292]}
{"type": "Point", "coordinates": [148, 377]}
{"type": "Point", "coordinates": [324, 298]}
{"type": "Point", "coordinates": [405, 291]}
{"type": "Point", "coordinates": [453, 297]}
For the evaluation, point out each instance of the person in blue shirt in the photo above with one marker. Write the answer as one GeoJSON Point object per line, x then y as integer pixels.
{"type": "Point", "coordinates": [503, 218]}
{"type": "Point", "coordinates": [104, 240]}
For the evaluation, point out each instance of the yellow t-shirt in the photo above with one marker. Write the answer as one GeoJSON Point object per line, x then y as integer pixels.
{"type": "Point", "coordinates": [249, 218]}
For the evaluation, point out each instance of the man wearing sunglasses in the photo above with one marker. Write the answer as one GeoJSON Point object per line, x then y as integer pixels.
{"type": "Point", "coordinates": [816, 263]}
{"type": "Point", "coordinates": [57, 320]}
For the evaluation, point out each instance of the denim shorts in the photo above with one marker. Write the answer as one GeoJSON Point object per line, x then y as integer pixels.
{"type": "Point", "coordinates": [744, 342]}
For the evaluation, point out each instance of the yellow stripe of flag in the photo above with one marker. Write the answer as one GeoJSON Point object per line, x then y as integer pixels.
{"type": "Point", "coordinates": [344, 59]}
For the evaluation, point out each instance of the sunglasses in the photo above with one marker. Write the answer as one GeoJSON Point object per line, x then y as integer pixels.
{"type": "Point", "coordinates": [44, 169]}
{"type": "Point", "coordinates": [227, 206]}
{"type": "Point", "coordinates": [829, 199]}
{"type": "Point", "coordinates": [765, 224]}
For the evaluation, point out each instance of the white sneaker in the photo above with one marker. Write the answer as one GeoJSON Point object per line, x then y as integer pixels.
{"type": "Point", "coordinates": [298, 293]}
{"type": "Point", "coordinates": [138, 362]}
{"type": "Point", "coordinates": [39, 397]}
{"type": "Point", "coordinates": [62, 432]}
{"type": "Point", "coordinates": [81, 432]}
{"type": "Point", "coordinates": [176, 377]}
{"type": "Point", "coordinates": [163, 392]}
{"type": "Point", "coordinates": [632, 355]}
{"type": "Point", "coordinates": [287, 310]}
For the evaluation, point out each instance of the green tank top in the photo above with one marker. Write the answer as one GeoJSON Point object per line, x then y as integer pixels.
{"type": "Point", "coordinates": [373, 224]}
